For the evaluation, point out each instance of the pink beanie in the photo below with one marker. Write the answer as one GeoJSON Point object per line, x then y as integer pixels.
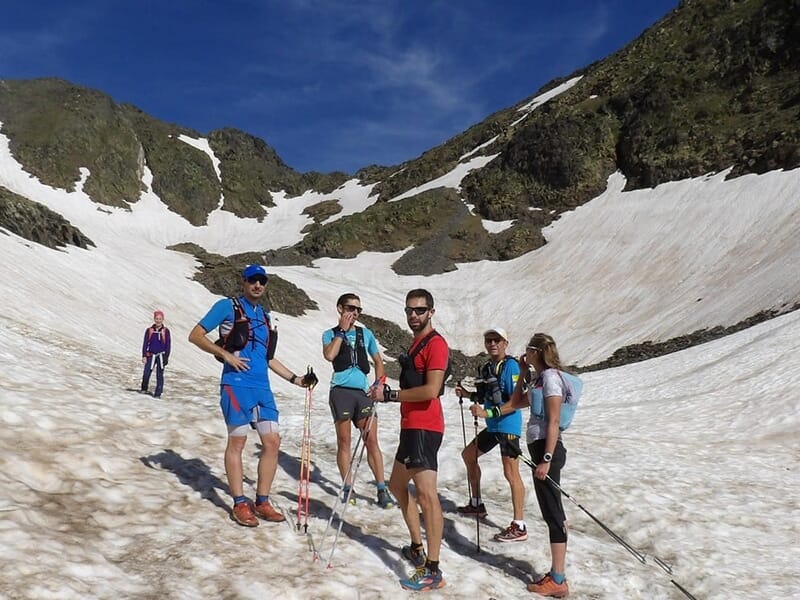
{"type": "Point", "coordinates": [158, 313]}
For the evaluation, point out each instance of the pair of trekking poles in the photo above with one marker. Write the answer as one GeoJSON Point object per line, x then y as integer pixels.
{"type": "Point", "coordinates": [640, 556]}
{"type": "Point", "coordinates": [342, 501]}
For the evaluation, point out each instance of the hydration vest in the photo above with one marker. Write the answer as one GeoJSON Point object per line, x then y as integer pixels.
{"type": "Point", "coordinates": [573, 388]}
{"type": "Point", "coordinates": [234, 337]}
{"type": "Point", "coordinates": [352, 356]}
{"type": "Point", "coordinates": [488, 389]}
{"type": "Point", "coordinates": [409, 376]}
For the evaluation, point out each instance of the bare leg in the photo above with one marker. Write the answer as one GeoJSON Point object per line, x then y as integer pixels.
{"type": "Point", "coordinates": [233, 464]}
{"type": "Point", "coordinates": [343, 449]}
{"type": "Point", "coordinates": [374, 455]}
{"type": "Point", "coordinates": [267, 462]}
{"type": "Point", "coordinates": [398, 485]}
{"type": "Point", "coordinates": [470, 455]}
{"type": "Point", "coordinates": [559, 557]}
{"type": "Point", "coordinates": [428, 497]}
{"type": "Point", "coordinates": [511, 472]}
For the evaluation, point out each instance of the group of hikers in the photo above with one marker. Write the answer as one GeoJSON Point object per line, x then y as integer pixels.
{"type": "Point", "coordinates": [504, 386]}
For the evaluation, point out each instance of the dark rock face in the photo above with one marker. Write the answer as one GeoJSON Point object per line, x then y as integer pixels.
{"type": "Point", "coordinates": [183, 176]}
{"type": "Point", "coordinates": [713, 85]}
{"type": "Point", "coordinates": [37, 223]}
{"type": "Point", "coordinates": [646, 350]}
{"type": "Point", "coordinates": [223, 275]}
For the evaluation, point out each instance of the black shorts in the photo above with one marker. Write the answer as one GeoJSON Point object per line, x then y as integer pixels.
{"type": "Point", "coordinates": [418, 449]}
{"type": "Point", "coordinates": [509, 443]}
{"type": "Point", "coordinates": [349, 404]}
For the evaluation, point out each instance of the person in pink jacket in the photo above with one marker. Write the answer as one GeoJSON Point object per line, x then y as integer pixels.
{"type": "Point", "coordinates": [155, 353]}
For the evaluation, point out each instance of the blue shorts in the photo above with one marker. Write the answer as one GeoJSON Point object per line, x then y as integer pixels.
{"type": "Point", "coordinates": [241, 405]}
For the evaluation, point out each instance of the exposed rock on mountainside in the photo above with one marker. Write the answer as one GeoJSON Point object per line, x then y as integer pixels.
{"type": "Point", "coordinates": [223, 275]}
{"type": "Point", "coordinates": [37, 223]}
{"type": "Point", "coordinates": [713, 85]}
{"type": "Point", "coordinates": [55, 128]}
{"type": "Point", "coordinates": [183, 176]}
{"type": "Point", "coordinates": [646, 350]}
{"type": "Point", "coordinates": [436, 223]}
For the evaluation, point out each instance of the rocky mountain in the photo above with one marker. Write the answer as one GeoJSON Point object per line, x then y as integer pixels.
{"type": "Point", "coordinates": [713, 85]}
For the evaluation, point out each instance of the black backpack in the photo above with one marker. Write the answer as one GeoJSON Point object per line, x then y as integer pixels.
{"type": "Point", "coordinates": [409, 377]}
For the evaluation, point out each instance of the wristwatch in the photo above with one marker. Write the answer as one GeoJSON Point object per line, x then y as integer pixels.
{"type": "Point", "coordinates": [547, 457]}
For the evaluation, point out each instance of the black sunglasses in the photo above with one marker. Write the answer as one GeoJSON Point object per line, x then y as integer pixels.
{"type": "Point", "coordinates": [493, 340]}
{"type": "Point", "coordinates": [351, 308]}
{"type": "Point", "coordinates": [417, 310]}
{"type": "Point", "coordinates": [262, 279]}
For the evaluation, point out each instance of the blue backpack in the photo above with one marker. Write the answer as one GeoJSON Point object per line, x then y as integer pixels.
{"type": "Point", "coordinates": [573, 386]}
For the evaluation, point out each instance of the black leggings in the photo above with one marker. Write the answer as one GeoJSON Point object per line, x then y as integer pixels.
{"type": "Point", "coordinates": [548, 496]}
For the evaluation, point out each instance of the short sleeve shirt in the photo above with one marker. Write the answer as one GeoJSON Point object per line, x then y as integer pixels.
{"type": "Point", "coordinates": [548, 384]}
{"type": "Point", "coordinates": [352, 377]}
{"type": "Point", "coordinates": [512, 422]}
{"type": "Point", "coordinates": [257, 376]}
{"type": "Point", "coordinates": [426, 415]}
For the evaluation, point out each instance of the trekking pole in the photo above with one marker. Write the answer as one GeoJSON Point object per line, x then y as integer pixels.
{"type": "Point", "coordinates": [364, 434]}
{"type": "Point", "coordinates": [357, 452]}
{"type": "Point", "coordinates": [477, 516]}
{"type": "Point", "coordinates": [303, 491]}
{"type": "Point", "coordinates": [469, 483]}
{"type": "Point", "coordinates": [641, 557]}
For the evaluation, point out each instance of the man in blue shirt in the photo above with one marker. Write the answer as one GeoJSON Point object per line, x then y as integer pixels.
{"type": "Point", "coordinates": [348, 346]}
{"type": "Point", "coordinates": [496, 382]}
{"type": "Point", "coordinates": [245, 392]}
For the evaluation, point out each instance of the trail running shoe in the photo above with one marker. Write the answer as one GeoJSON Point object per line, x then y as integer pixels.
{"type": "Point", "coordinates": [385, 499]}
{"type": "Point", "coordinates": [416, 556]}
{"type": "Point", "coordinates": [266, 511]}
{"type": "Point", "coordinates": [243, 515]}
{"type": "Point", "coordinates": [513, 533]}
{"type": "Point", "coordinates": [352, 500]}
{"type": "Point", "coordinates": [423, 580]}
{"type": "Point", "coordinates": [547, 587]}
{"type": "Point", "coordinates": [470, 510]}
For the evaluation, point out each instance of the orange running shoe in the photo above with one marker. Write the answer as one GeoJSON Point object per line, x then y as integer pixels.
{"type": "Point", "coordinates": [266, 511]}
{"type": "Point", "coordinates": [243, 515]}
{"type": "Point", "coordinates": [546, 586]}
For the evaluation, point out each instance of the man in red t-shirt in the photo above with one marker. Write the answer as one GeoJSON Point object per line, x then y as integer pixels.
{"type": "Point", "coordinates": [421, 430]}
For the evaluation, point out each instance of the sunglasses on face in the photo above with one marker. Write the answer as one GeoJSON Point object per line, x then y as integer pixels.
{"type": "Point", "coordinates": [262, 279]}
{"type": "Point", "coordinates": [492, 340]}
{"type": "Point", "coordinates": [417, 310]}
{"type": "Point", "coordinates": [351, 308]}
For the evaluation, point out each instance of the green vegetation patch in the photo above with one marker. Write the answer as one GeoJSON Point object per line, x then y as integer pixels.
{"type": "Point", "coordinates": [183, 176]}
{"type": "Point", "coordinates": [55, 128]}
{"type": "Point", "coordinates": [222, 275]}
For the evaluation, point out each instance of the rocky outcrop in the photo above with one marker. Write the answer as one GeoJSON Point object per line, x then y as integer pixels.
{"type": "Point", "coordinates": [37, 223]}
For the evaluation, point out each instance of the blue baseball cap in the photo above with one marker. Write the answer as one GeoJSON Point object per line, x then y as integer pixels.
{"type": "Point", "coordinates": [253, 270]}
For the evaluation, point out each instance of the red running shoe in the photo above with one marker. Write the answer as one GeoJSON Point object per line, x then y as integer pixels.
{"type": "Point", "coordinates": [266, 511]}
{"type": "Point", "coordinates": [243, 515]}
{"type": "Point", "coordinates": [513, 533]}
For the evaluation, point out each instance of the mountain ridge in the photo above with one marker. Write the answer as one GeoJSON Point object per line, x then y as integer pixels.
{"type": "Point", "coordinates": [545, 155]}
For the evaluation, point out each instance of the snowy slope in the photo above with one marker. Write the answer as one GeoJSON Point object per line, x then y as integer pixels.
{"type": "Point", "coordinates": [692, 457]}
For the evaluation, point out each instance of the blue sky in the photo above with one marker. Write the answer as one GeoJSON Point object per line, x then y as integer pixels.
{"type": "Point", "coordinates": [331, 85]}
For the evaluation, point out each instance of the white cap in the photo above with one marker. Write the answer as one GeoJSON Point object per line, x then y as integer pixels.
{"type": "Point", "coordinates": [498, 330]}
